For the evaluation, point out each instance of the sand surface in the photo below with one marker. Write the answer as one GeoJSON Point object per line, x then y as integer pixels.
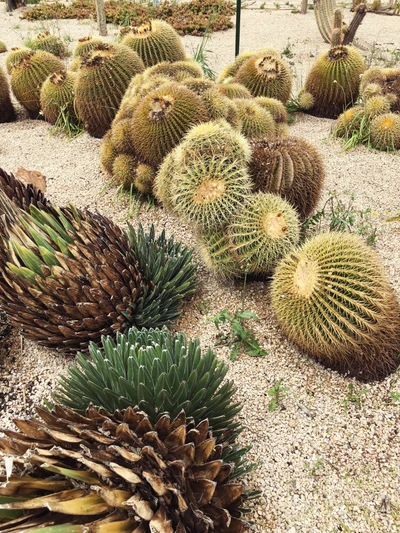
{"type": "Point", "coordinates": [325, 466]}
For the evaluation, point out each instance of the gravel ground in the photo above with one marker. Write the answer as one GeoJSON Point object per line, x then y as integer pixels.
{"type": "Point", "coordinates": [326, 464]}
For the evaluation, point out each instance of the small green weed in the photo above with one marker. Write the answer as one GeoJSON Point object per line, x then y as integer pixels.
{"type": "Point", "coordinates": [200, 55]}
{"type": "Point", "coordinates": [277, 6]}
{"type": "Point", "coordinates": [287, 51]}
{"type": "Point", "coordinates": [277, 394]}
{"type": "Point", "coordinates": [205, 307]}
{"type": "Point", "coordinates": [68, 124]}
{"type": "Point", "coordinates": [238, 338]}
{"type": "Point", "coordinates": [339, 214]}
{"type": "Point", "coordinates": [262, 6]}
{"type": "Point", "coordinates": [353, 396]}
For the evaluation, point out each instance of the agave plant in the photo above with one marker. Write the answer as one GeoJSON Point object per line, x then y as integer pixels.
{"type": "Point", "coordinates": [116, 473]}
{"type": "Point", "coordinates": [158, 372]}
{"type": "Point", "coordinates": [71, 276]}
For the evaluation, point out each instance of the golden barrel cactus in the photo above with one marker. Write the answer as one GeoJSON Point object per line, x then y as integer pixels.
{"type": "Point", "coordinates": [333, 300]}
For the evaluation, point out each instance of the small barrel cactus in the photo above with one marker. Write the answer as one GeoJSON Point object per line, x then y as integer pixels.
{"type": "Point", "coordinates": [162, 118]}
{"type": "Point", "coordinates": [57, 95]}
{"type": "Point", "coordinates": [155, 41]}
{"type": "Point", "coordinates": [217, 254]}
{"type": "Point", "coordinates": [334, 81]}
{"type": "Point", "coordinates": [3, 47]}
{"type": "Point", "coordinates": [178, 70]}
{"type": "Point", "coordinates": [28, 76]}
{"type": "Point", "coordinates": [13, 57]}
{"type": "Point", "coordinates": [102, 80]}
{"type": "Point", "coordinates": [233, 90]}
{"type": "Point", "coordinates": [385, 132]}
{"type": "Point", "coordinates": [290, 167]}
{"type": "Point", "coordinates": [49, 43]}
{"type": "Point", "coordinates": [230, 70]}
{"type": "Point", "coordinates": [85, 45]}
{"type": "Point", "coordinates": [263, 230]}
{"type": "Point", "coordinates": [349, 122]}
{"type": "Point", "coordinates": [266, 75]}
{"type": "Point", "coordinates": [332, 299]}
{"type": "Point", "coordinates": [7, 112]}
{"type": "Point", "coordinates": [255, 121]}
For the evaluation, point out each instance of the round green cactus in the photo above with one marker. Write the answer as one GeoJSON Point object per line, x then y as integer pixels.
{"type": "Point", "coordinates": [101, 82]}
{"type": "Point", "coordinates": [144, 178]}
{"type": "Point", "coordinates": [198, 85]}
{"type": "Point", "coordinates": [28, 76]}
{"type": "Point", "coordinates": [263, 230]}
{"type": "Point", "coordinates": [255, 120]}
{"type": "Point", "coordinates": [290, 167]}
{"type": "Point", "coordinates": [209, 189]}
{"type": "Point", "coordinates": [107, 153]}
{"type": "Point", "coordinates": [124, 169]}
{"type": "Point", "coordinates": [385, 132]}
{"type": "Point", "coordinates": [121, 132]}
{"type": "Point", "coordinates": [178, 70]}
{"type": "Point", "coordinates": [332, 299]}
{"type": "Point", "coordinates": [230, 70]}
{"type": "Point", "coordinates": [163, 179]}
{"type": "Point", "coordinates": [306, 100]}
{"type": "Point", "coordinates": [155, 42]}
{"type": "Point", "coordinates": [221, 107]}
{"type": "Point", "coordinates": [388, 82]}
{"type": "Point", "coordinates": [348, 122]}
{"type": "Point", "coordinates": [376, 105]}
{"type": "Point", "coordinates": [266, 75]}
{"type": "Point", "coordinates": [57, 95]}
{"type": "Point", "coordinates": [162, 118]}
{"type": "Point", "coordinates": [85, 45]}
{"type": "Point", "coordinates": [370, 90]}
{"type": "Point", "coordinates": [49, 43]}
{"type": "Point", "coordinates": [217, 254]}
{"type": "Point", "coordinates": [233, 90]}
{"type": "Point", "coordinates": [7, 111]}
{"type": "Point", "coordinates": [13, 57]}
{"type": "Point", "coordinates": [275, 107]}
{"type": "Point", "coordinates": [3, 47]}
{"type": "Point", "coordinates": [334, 81]}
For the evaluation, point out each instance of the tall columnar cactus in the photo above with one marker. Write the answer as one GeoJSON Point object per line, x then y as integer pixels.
{"type": "Point", "coordinates": [290, 167]}
{"type": "Point", "coordinates": [266, 75]}
{"type": "Point", "coordinates": [85, 45]}
{"type": "Point", "coordinates": [263, 230]}
{"type": "Point", "coordinates": [57, 96]}
{"type": "Point", "coordinates": [334, 81]}
{"type": "Point", "coordinates": [49, 43]}
{"type": "Point", "coordinates": [7, 111]}
{"type": "Point", "coordinates": [28, 76]}
{"type": "Point", "coordinates": [102, 80]}
{"type": "Point", "coordinates": [155, 41]}
{"type": "Point", "coordinates": [332, 299]}
{"type": "Point", "coordinates": [162, 118]}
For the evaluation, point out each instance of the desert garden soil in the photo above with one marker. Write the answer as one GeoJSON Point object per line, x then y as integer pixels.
{"type": "Point", "coordinates": [325, 465]}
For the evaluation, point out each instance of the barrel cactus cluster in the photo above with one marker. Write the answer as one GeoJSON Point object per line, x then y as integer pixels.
{"type": "Point", "coordinates": [375, 121]}
{"type": "Point", "coordinates": [168, 98]}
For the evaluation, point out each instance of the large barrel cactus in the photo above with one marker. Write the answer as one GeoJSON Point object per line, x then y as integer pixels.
{"type": "Point", "coordinates": [102, 80]}
{"type": "Point", "coordinates": [332, 298]}
{"type": "Point", "coordinates": [334, 81]}
{"type": "Point", "coordinates": [28, 76]}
